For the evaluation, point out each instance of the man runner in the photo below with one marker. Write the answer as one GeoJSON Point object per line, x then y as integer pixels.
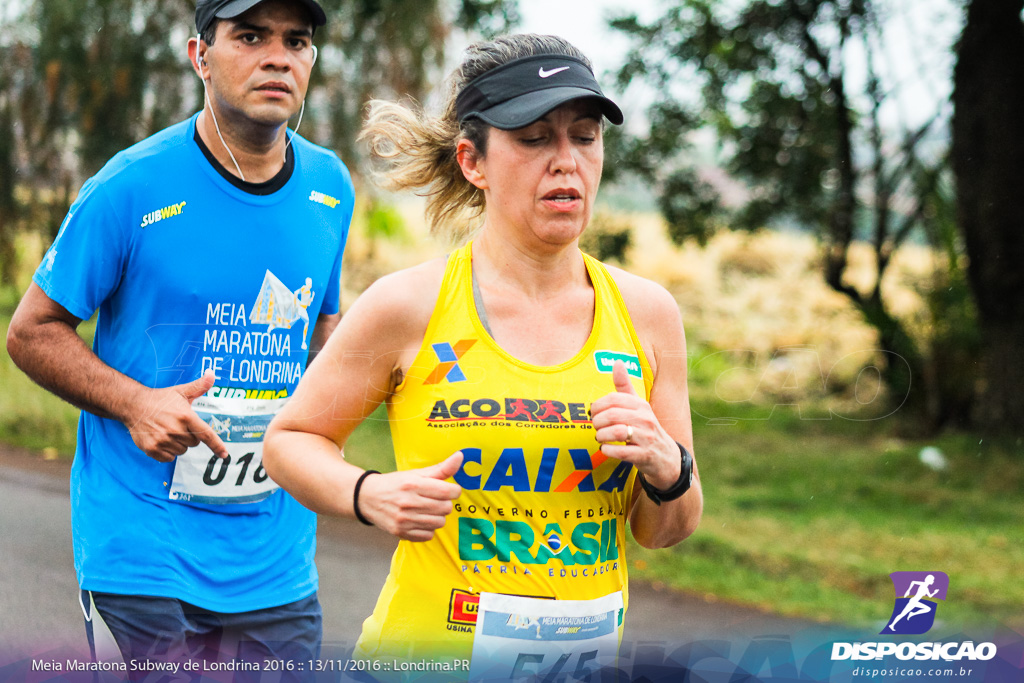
{"type": "Point", "coordinates": [191, 244]}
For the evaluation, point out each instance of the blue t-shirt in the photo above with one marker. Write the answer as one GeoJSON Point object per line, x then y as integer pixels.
{"type": "Point", "coordinates": [190, 273]}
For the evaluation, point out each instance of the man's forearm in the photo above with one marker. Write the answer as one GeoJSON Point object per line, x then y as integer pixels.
{"type": "Point", "coordinates": [55, 357]}
{"type": "Point", "coordinates": [325, 325]}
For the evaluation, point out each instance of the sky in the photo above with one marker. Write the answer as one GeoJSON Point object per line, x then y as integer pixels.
{"type": "Point", "coordinates": [584, 24]}
{"type": "Point", "coordinates": [916, 47]}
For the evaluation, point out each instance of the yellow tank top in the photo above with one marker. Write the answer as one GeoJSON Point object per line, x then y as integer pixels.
{"type": "Point", "coordinates": [542, 511]}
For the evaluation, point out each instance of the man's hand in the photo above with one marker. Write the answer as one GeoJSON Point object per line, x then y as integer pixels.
{"type": "Point", "coordinates": [413, 503]}
{"type": "Point", "coordinates": [164, 426]}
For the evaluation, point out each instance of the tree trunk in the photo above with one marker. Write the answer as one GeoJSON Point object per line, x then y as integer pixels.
{"type": "Point", "coordinates": [903, 366]}
{"type": "Point", "coordinates": [988, 159]}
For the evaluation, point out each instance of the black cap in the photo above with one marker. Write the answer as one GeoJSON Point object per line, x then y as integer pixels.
{"type": "Point", "coordinates": [208, 10]}
{"type": "Point", "coordinates": [516, 94]}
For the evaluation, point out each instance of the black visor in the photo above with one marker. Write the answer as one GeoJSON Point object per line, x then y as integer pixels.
{"type": "Point", "coordinates": [516, 94]}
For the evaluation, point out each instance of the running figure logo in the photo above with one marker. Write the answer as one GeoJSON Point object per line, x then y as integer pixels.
{"type": "Point", "coordinates": [221, 427]}
{"type": "Point", "coordinates": [304, 297]}
{"type": "Point", "coordinates": [277, 306]}
{"type": "Point", "coordinates": [916, 592]}
{"type": "Point", "coordinates": [519, 621]}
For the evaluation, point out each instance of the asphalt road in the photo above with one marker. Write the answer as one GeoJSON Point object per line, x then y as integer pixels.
{"type": "Point", "coordinates": [39, 611]}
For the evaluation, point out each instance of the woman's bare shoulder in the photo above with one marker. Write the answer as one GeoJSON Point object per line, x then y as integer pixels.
{"type": "Point", "coordinates": [403, 301]}
{"type": "Point", "coordinates": [651, 307]}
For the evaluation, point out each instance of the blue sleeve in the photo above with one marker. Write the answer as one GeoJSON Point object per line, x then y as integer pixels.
{"type": "Point", "coordinates": [332, 297]}
{"type": "Point", "coordinates": [85, 263]}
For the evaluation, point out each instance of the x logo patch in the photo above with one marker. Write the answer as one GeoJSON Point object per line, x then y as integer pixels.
{"type": "Point", "coordinates": [448, 368]}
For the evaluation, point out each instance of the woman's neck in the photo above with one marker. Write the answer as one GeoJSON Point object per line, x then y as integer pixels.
{"type": "Point", "coordinates": [498, 261]}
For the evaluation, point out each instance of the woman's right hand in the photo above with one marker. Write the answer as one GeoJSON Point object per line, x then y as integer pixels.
{"type": "Point", "coordinates": [411, 504]}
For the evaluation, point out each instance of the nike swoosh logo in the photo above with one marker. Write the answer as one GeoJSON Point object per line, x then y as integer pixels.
{"type": "Point", "coordinates": [545, 74]}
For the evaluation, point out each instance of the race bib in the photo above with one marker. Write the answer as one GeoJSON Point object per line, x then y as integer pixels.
{"type": "Point", "coordinates": [539, 639]}
{"type": "Point", "coordinates": [202, 477]}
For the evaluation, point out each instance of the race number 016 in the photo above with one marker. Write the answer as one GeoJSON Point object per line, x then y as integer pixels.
{"type": "Point", "coordinates": [212, 479]}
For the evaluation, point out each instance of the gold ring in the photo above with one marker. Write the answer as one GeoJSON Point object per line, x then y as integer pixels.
{"type": "Point", "coordinates": [629, 433]}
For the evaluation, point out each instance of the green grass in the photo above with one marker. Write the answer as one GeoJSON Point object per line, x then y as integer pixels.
{"type": "Point", "coordinates": [808, 518]}
{"type": "Point", "coordinates": [803, 517]}
{"type": "Point", "coordinates": [370, 444]}
{"type": "Point", "coordinates": [29, 416]}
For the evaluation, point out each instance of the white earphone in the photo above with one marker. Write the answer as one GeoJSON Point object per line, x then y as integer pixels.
{"type": "Point", "coordinates": [199, 58]}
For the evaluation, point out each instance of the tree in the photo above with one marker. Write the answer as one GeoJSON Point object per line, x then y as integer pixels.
{"type": "Point", "coordinates": [772, 80]}
{"type": "Point", "coordinates": [8, 171]}
{"type": "Point", "coordinates": [84, 79]}
{"type": "Point", "coordinates": [988, 157]}
{"type": "Point", "coordinates": [390, 48]}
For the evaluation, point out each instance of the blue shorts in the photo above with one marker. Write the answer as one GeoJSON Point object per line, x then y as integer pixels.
{"type": "Point", "coordinates": [155, 634]}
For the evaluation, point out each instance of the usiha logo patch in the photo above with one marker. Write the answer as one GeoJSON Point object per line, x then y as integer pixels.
{"type": "Point", "coordinates": [463, 607]}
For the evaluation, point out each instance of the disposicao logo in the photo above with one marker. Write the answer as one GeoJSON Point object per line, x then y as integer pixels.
{"type": "Point", "coordinates": [914, 614]}
{"type": "Point", "coordinates": [916, 593]}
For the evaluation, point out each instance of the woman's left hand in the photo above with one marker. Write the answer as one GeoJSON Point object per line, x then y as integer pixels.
{"type": "Point", "coordinates": [628, 430]}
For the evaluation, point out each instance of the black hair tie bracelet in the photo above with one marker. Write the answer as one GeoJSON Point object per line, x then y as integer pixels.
{"type": "Point", "coordinates": [355, 496]}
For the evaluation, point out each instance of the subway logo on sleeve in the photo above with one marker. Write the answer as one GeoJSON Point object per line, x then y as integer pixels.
{"type": "Point", "coordinates": [162, 214]}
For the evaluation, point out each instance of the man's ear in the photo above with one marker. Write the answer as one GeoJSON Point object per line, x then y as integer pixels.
{"type": "Point", "coordinates": [470, 163]}
{"type": "Point", "coordinates": [198, 63]}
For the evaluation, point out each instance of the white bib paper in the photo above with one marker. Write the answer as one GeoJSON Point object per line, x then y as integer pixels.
{"type": "Point", "coordinates": [202, 477]}
{"type": "Point", "coordinates": [520, 637]}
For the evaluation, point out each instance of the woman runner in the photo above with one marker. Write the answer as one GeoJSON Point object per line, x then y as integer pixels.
{"type": "Point", "coordinates": [537, 399]}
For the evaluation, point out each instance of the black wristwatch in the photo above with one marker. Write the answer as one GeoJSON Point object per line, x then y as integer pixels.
{"type": "Point", "coordinates": [677, 489]}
